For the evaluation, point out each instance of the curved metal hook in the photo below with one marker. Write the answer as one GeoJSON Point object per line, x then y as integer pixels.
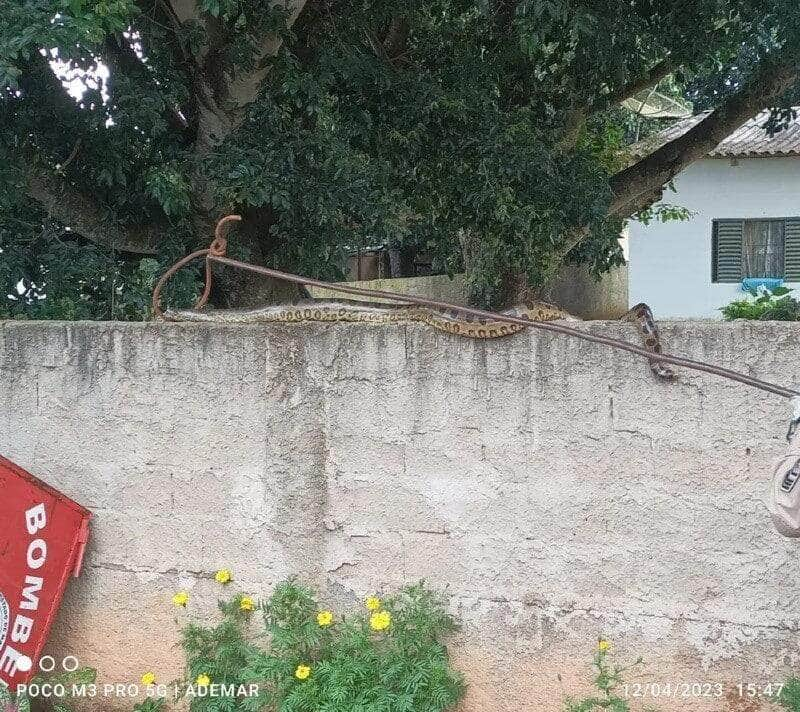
{"type": "Point", "coordinates": [217, 248]}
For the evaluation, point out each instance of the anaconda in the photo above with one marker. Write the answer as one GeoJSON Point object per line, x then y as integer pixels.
{"type": "Point", "coordinates": [452, 321]}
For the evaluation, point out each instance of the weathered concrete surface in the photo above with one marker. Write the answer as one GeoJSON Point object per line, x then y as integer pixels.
{"type": "Point", "coordinates": [553, 486]}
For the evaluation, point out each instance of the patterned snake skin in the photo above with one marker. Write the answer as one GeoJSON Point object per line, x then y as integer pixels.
{"type": "Point", "coordinates": [453, 322]}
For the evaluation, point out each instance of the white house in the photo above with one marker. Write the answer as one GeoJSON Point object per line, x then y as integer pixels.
{"type": "Point", "coordinates": [745, 200]}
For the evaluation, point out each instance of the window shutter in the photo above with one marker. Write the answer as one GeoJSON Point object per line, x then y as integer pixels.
{"type": "Point", "coordinates": [791, 247]}
{"type": "Point", "coordinates": [728, 250]}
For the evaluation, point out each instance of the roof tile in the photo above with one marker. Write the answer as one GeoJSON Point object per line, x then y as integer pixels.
{"type": "Point", "coordinates": [751, 139]}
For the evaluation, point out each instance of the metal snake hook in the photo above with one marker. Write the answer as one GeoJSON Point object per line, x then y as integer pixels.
{"type": "Point", "coordinates": [215, 253]}
{"type": "Point", "coordinates": [217, 248]}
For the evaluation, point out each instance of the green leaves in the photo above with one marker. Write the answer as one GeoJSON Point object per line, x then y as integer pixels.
{"type": "Point", "coordinates": [48, 273]}
{"type": "Point", "coordinates": [26, 27]}
{"type": "Point", "coordinates": [764, 305]}
{"type": "Point", "coordinates": [56, 702]}
{"type": "Point", "coordinates": [170, 188]}
{"type": "Point", "coordinates": [664, 212]}
{"type": "Point", "coordinates": [212, 7]}
{"type": "Point", "coordinates": [150, 705]}
{"type": "Point", "coordinates": [609, 677]}
{"type": "Point", "coordinates": [402, 669]}
{"type": "Point", "coordinates": [487, 119]}
{"type": "Point", "coordinates": [790, 695]}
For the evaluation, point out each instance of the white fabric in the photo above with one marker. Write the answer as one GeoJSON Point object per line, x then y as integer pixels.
{"type": "Point", "coordinates": [784, 495]}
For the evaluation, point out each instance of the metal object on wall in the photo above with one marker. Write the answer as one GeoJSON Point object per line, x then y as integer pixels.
{"type": "Point", "coordinates": [43, 535]}
{"type": "Point", "coordinates": [783, 501]}
{"type": "Point", "coordinates": [215, 254]}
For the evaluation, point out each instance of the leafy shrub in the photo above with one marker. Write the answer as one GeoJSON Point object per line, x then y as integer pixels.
{"type": "Point", "coordinates": [764, 305]}
{"type": "Point", "coordinates": [386, 659]}
{"type": "Point", "coordinates": [790, 695]}
{"type": "Point", "coordinates": [47, 272]}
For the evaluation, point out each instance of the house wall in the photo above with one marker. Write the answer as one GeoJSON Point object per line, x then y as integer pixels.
{"type": "Point", "coordinates": [670, 263]}
{"type": "Point", "coordinates": [552, 487]}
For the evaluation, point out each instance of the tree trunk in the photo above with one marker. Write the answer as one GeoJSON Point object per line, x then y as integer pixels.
{"type": "Point", "coordinates": [512, 288]}
{"type": "Point", "coordinates": [238, 289]}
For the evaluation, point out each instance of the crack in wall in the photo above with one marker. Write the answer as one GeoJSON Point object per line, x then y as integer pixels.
{"type": "Point", "coordinates": [449, 485]}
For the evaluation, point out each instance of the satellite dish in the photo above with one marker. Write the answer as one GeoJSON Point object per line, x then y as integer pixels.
{"type": "Point", "coordinates": [655, 105]}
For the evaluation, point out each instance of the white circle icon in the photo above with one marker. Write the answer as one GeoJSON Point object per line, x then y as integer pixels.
{"type": "Point", "coordinates": [24, 663]}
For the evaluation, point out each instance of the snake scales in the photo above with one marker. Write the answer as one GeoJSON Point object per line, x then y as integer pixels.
{"type": "Point", "coordinates": [453, 322]}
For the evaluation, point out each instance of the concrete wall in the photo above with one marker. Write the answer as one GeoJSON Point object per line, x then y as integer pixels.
{"type": "Point", "coordinates": [670, 263]}
{"type": "Point", "coordinates": [553, 487]}
{"type": "Point", "coordinates": [574, 289]}
{"type": "Point", "coordinates": [440, 287]}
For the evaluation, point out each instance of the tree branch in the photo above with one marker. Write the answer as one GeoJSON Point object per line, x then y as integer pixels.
{"type": "Point", "coordinates": [652, 77]}
{"type": "Point", "coordinates": [121, 58]}
{"type": "Point", "coordinates": [396, 37]}
{"type": "Point", "coordinates": [85, 217]}
{"type": "Point", "coordinates": [574, 123]}
{"type": "Point", "coordinates": [223, 94]}
{"type": "Point", "coordinates": [636, 187]}
{"type": "Point", "coordinates": [62, 202]}
{"type": "Point", "coordinates": [640, 185]}
{"type": "Point", "coordinates": [504, 12]}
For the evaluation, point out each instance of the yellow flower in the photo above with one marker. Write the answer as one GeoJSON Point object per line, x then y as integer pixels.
{"type": "Point", "coordinates": [324, 619]}
{"type": "Point", "coordinates": [302, 672]}
{"type": "Point", "coordinates": [380, 621]}
{"type": "Point", "coordinates": [202, 680]}
{"type": "Point", "coordinates": [148, 678]}
{"type": "Point", "coordinates": [223, 576]}
{"type": "Point", "coordinates": [180, 599]}
{"type": "Point", "coordinates": [246, 603]}
{"type": "Point", "coordinates": [604, 645]}
{"type": "Point", "coordinates": [373, 603]}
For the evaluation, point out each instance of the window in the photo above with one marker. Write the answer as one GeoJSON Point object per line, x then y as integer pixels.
{"type": "Point", "coordinates": [762, 248]}
{"type": "Point", "coordinates": [756, 248]}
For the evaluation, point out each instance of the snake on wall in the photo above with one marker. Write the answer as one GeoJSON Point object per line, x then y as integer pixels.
{"type": "Point", "coordinates": [451, 321]}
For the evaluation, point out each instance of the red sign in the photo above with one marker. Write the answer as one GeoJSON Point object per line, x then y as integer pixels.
{"type": "Point", "coordinates": [43, 535]}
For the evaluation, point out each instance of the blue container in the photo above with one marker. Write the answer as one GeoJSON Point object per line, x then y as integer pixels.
{"type": "Point", "coordinates": [750, 284]}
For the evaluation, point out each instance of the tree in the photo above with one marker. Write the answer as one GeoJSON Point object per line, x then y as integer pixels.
{"type": "Point", "coordinates": [486, 132]}
{"type": "Point", "coordinates": [706, 90]}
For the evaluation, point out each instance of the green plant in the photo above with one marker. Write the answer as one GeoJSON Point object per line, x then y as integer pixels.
{"type": "Point", "coordinates": [220, 653]}
{"type": "Point", "coordinates": [45, 274]}
{"type": "Point", "coordinates": [765, 305]}
{"type": "Point", "coordinates": [607, 681]}
{"type": "Point", "coordinates": [9, 702]}
{"type": "Point", "coordinates": [790, 695]}
{"type": "Point", "coordinates": [390, 658]}
{"type": "Point", "coordinates": [424, 119]}
{"type": "Point", "coordinates": [154, 704]}
{"type": "Point", "coordinates": [664, 212]}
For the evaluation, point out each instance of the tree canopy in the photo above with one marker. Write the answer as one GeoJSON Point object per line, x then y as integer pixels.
{"type": "Point", "coordinates": [487, 133]}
